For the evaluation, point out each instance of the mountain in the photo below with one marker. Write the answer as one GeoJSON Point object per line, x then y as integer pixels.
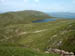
{"type": "Point", "coordinates": [19, 37]}
{"type": "Point", "coordinates": [22, 17]}
{"type": "Point", "coordinates": [62, 14]}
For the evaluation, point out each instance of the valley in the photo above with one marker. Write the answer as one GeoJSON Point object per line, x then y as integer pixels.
{"type": "Point", "coordinates": [20, 37]}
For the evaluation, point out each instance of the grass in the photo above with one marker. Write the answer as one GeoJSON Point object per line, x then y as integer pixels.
{"type": "Point", "coordinates": [39, 41]}
{"type": "Point", "coordinates": [22, 17]}
{"type": "Point", "coordinates": [18, 51]}
{"type": "Point", "coordinates": [33, 39]}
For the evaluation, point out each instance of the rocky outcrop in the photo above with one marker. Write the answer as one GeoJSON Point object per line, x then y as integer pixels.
{"type": "Point", "coordinates": [60, 52]}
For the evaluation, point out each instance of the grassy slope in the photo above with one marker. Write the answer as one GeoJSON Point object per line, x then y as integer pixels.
{"type": "Point", "coordinates": [9, 22]}
{"type": "Point", "coordinates": [29, 39]}
{"type": "Point", "coordinates": [69, 43]}
{"type": "Point", "coordinates": [21, 17]}
{"type": "Point", "coordinates": [19, 51]}
{"type": "Point", "coordinates": [54, 32]}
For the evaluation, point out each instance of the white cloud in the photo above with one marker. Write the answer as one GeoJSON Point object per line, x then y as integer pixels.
{"type": "Point", "coordinates": [2, 1]}
{"type": "Point", "coordinates": [36, 0]}
{"type": "Point", "coordinates": [25, 0]}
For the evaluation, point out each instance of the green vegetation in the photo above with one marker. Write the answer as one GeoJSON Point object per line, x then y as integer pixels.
{"type": "Point", "coordinates": [22, 17]}
{"type": "Point", "coordinates": [33, 39]}
{"type": "Point", "coordinates": [69, 43]}
{"type": "Point", "coordinates": [19, 51]}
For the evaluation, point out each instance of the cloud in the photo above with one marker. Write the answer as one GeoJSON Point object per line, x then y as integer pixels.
{"type": "Point", "coordinates": [2, 1]}
{"type": "Point", "coordinates": [25, 0]}
{"type": "Point", "coordinates": [36, 0]}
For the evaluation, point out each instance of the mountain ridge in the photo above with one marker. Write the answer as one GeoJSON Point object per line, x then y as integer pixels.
{"type": "Point", "coordinates": [22, 17]}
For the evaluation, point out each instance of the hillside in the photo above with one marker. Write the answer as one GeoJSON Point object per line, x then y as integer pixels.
{"type": "Point", "coordinates": [33, 39]}
{"type": "Point", "coordinates": [21, 17]}
{"type": "Point", "coordinates": [69, 41]}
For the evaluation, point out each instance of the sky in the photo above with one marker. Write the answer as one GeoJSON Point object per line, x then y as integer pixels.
{"type": "Point", "coordinates": [39, 5]}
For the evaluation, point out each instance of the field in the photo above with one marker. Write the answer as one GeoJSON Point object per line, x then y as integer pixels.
{"type": "Point", "coordinates": [33, 39]}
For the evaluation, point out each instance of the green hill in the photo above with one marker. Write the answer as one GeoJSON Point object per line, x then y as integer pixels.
{"type": "Point", "coordinates": [33, 39]}
{"type": "Point", "coordinates": [22, 17]}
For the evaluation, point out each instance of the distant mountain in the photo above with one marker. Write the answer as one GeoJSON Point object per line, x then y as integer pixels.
{"type": "Point", "coordinates": [63, 15]}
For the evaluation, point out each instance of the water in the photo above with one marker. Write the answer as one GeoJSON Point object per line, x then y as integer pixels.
{"type": "Point", "coordinates": [44, 20]}
{"type": "Point", "coordinates": [58, 16]}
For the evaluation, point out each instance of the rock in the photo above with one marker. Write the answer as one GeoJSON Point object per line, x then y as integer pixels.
{"type": "Point", "coordinates": [61, 52]}
{"type": "Point", "coordinates": [46, 52]}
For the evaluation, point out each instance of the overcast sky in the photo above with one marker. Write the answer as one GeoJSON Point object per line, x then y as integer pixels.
{"type": "Point", "coordinates": [40, 5]}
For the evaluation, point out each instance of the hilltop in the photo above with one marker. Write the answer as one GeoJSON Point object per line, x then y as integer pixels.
{"type": "Point", "coordinates": [22, 17]}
